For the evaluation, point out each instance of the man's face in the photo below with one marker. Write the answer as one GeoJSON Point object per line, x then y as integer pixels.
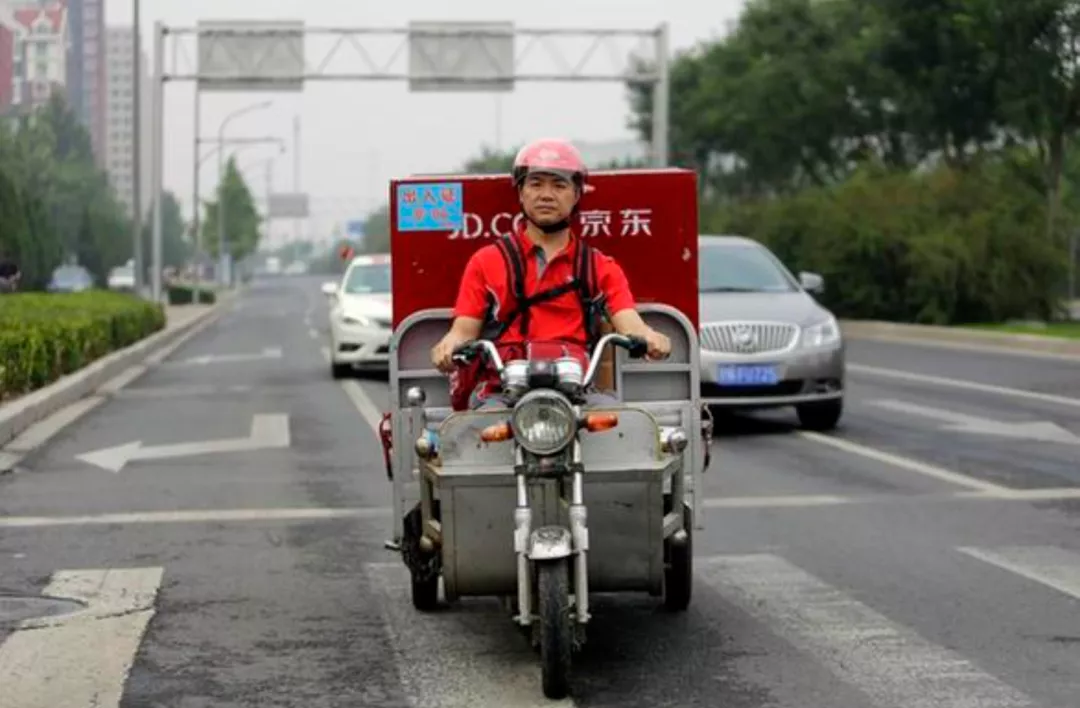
{"type": "Point", "coordinates": [547, 199]}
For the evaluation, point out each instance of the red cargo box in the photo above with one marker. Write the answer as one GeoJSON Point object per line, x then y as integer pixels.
{"type": "Point", "coordinates": [646, 219]}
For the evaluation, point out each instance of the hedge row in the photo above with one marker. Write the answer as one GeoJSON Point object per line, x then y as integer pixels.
{"type": "Point", "coordinates": [184, 294]}
{"type": "Point", "coordinates": [46, 336]}
{"type": "Point", "coordinates": [943, 247]}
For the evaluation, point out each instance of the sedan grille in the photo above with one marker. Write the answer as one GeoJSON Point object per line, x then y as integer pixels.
{"type": "Point", "coordinates": [748, 337]}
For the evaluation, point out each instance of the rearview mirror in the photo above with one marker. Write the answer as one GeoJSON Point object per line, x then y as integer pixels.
{"type": "Point", "coordinates": [329, 289]}
{"type": "Point", "coordinates": [812, 282]}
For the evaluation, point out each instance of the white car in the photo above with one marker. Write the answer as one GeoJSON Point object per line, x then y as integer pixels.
{"type": "Point", "coordinates": [360, 316]}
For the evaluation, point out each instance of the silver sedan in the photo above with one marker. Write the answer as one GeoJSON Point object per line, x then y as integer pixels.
{"type": "Point", "coordinates": [765, 340]}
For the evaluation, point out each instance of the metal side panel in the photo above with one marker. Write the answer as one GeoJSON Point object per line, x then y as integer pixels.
{"type": "Point", "coordinates": [625, 535]}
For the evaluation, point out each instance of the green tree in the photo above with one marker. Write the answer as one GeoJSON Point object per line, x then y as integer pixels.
{"type": "Point", "coordinates": [242, 220]}
{"type": "Point", "coordinates": [69, 209]}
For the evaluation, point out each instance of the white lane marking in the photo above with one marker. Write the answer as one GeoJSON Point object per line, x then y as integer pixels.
{"type": "Point", "coordinates": [198, 516]}
{"type": "Point", "coordinates": [482, 660]}
{"type": "Point", "coordinates": [967, 385]}
{"type": "Point", "coordinates": [1053, 567]}
{"type": "Point", "coordinates": [891, 664]}
{"type": "Point", "coordinates": [976, 347]}
{"type": "Point", "coordinates": [182, 391]}
{"type": "Point", "coordinates": [367, 408]}
{"type": "Point", "coordinates": [922, 468]}
{"type": "Point", "coordinates": [794, 500]}
{"type": "Point", "coordinates": [363, 403]}
{"type": "Point", "coordinates": [81, 659]}
{"type": "Point", "coordinates": [268, 432]}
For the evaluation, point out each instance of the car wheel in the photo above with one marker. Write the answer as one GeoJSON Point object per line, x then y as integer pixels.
{"type": "Point", "coordinates": [820, 415]}
{"type": "Point", "coordinates": [340, 371]}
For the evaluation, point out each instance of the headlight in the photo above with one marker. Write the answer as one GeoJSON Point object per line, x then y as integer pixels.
{"type": "Point", "coordinates": [543, 422]}
{"type": "Point", "coordinates": [821, 334]}
{"type": "Point", "coordinates": [356, 320]}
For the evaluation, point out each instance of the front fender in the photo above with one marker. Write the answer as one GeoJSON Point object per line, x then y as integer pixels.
{"type": "Point", "coordinates": [550, 543]}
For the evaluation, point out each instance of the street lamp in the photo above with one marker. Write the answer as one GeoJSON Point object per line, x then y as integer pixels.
{"type": "Point", "coordinates": [221, 175]}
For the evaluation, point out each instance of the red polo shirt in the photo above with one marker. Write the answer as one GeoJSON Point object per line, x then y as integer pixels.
{"type": "Point", "coordinates": [486, 279]}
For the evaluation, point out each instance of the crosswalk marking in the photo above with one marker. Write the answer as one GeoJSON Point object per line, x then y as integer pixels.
{"type": "Point", "coordinates": [1053, 567]}
{"type": "Point", "coordinates": [892, 665]}
{"type": "Point", "coordinates": [469, 657]}
{"type": "Point", "coordinates": [83, 658]}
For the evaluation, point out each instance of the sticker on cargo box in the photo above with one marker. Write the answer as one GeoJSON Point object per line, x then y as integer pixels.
{"type": "Point", "coordinates": [430, 207]}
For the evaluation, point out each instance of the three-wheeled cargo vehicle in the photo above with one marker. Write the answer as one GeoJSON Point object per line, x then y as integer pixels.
{"type": "Point", "coordinates": [548, 499]}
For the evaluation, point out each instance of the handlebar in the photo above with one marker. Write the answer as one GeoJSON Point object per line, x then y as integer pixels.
{"type": "Point", "coordinates": [635, 346]}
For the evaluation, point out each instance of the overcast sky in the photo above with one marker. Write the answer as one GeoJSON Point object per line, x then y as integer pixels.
{"type": "Point", "coordinates": [355, 136]}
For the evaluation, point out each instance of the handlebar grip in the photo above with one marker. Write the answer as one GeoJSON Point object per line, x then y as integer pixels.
{"type": "Point", "coordinates": [637, 347]}
{"type": "Point", "coordinates": [465, 353]}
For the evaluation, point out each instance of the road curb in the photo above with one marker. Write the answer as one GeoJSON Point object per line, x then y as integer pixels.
{"type": "Point", "coordinates": [900, 332]}
{"type": "Point", "coordinates": [22, 413]}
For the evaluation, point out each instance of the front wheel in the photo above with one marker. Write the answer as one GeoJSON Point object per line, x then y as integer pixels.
{"type": "Point", "coordinates": [553, 591]}
{"type": "Point", "coordinates": [820, 415]}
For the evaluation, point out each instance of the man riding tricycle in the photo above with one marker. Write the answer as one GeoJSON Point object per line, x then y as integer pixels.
{"type": "Point", "coordinates": [546, 438]}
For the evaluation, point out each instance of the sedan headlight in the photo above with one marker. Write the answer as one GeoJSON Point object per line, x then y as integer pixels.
{"type": "Point", "coordinates": [821, 334]}
{"type": "Point", "coordinates": [543, 422]}
{"type": "Point", "coordinates": [357, 320]}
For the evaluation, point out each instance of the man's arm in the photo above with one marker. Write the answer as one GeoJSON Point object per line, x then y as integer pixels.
{"type": "Point", "coordinates": [469, 311]}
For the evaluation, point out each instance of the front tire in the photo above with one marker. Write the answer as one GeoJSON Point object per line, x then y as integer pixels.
{"type": "Point", "coordinates": [821, 415]}
{"type": "Point", "coordinates": [340, 371]}
{"type": "Point", "coordinates": [556, 632]}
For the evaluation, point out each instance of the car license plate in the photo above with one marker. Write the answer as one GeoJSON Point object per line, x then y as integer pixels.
{"type": "Point", "coordinates": [748, 375]}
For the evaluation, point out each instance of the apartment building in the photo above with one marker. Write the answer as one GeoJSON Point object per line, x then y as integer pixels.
{"type": "Point", "coordinates": [120, 129]}
{"type": "Point", "coordinates": [38, 53]}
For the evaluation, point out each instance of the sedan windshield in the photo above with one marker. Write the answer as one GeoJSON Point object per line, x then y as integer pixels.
{"type": "Point", "coordinates": [365, 279]}
{"type": "Point", "coordinates": [740, 268]}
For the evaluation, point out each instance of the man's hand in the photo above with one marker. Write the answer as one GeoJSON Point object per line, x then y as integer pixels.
{"type": "Point", "coordinates": [442, 352]}
{"type": "Point", "coordinates": [659, 345]}
{"type": "Point", "coordinates": [628, 322]}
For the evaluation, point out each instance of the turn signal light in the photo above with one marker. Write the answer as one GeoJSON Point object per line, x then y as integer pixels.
{"type": "Point", "coordinates": [597, 422]}
{"type": "Point", "coordinates": [500, 432]}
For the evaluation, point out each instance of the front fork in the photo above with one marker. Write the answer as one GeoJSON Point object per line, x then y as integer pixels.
{"type": "Point", "coordinates": [579, 535]}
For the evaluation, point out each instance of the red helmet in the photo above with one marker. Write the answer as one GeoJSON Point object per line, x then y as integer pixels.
{"type": "Point", "coordinates": [550, 156]}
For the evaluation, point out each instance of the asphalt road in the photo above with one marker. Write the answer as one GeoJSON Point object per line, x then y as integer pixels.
{"type": "Point", "coordinates": [925, 554]}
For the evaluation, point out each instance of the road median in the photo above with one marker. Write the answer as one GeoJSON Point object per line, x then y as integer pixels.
{"type": "Point", "coordinates": [19, 414]}
{"type": "Point", "coordinates": [933, 334]}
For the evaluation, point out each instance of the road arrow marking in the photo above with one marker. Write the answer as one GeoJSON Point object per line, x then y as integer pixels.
{"type": "Point", "coordinates": [267, 432]}
{"type": "Point", "coordinates": [81, 658]}
{"type": "Point", "coordinates": [267, 353]}
{"type": "Point", "coordinates": [1040, 431]}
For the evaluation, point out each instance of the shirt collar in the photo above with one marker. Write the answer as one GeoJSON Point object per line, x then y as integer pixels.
{"type": "Point", "coordinates": [527, 246]}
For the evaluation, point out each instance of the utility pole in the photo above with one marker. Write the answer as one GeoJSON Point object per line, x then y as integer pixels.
{"type": "Point", "coordinates": [136, 141]}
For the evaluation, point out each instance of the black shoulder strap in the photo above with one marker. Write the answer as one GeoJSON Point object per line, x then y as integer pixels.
{"type": "Point", "coordinates": [592, 302]}
{"type": "Point", "coordinates": [583, 283]}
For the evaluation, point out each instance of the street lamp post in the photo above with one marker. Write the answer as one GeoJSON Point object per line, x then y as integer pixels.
{"type": "Point", "coordinates": [222, 250]}
{"type": "Point", "coordinates": [136, 167]}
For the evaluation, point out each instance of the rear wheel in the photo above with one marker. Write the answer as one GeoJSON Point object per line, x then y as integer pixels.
{"type": "Point", "coordinates": [425, 567]}
{"type": "Point", "coordinates": [556, 633]}
{"type": "Point", "coordinates": [679, 569]}
{"type": "Point", "coordinates": [820, 415]}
